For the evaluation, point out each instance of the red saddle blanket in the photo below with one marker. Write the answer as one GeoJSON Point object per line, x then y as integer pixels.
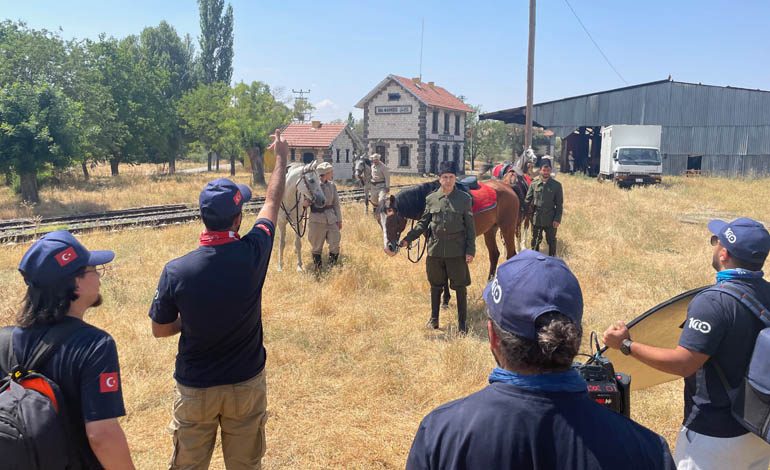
{"type": "Point", "coordinates": [484, 198]}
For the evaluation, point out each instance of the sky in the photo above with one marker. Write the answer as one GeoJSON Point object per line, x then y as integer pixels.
{"type": "Point", "coordinates": [340, 50]}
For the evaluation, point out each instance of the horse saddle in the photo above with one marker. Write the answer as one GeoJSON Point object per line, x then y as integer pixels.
{"type": "Point", "coordinates": [520, 186]}
{"type": "Point", "coordinates": [484, 197]}
{"type": "Point", "coordinates": [469, 182]}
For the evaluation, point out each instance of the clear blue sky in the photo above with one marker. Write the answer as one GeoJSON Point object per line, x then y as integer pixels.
{"type": "Point", "coordinates": [342, 49]}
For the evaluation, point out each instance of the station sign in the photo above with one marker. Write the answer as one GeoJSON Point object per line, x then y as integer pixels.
{"type": "Point", "coordinates": [406, 109]}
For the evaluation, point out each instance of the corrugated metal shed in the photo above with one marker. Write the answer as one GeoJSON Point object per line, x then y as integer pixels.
{"type": "Point", "coordinates": [729, 127]}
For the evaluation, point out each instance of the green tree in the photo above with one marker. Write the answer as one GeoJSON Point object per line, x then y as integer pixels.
{"type": "Point", "coordinates": [202, 112]}
{"type": "Point", "coordinates": [216, 41]}
{"type": "Point", "coordinates": [254, 115]}
{"type": "Point", "coordinates": [37, 131]}
{"type": "Point", "coordinates": [165, 50]}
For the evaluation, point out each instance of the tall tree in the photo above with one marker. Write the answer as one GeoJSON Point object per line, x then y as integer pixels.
{"type": "Point", "coordinates": [202, 111]}
{"type": "Point", "coordinates": [165, 50]}
{"type": "Point", "coordinates": [37, 131]}
{"type": "Point", "coordinates": [254, 115]}
{"type": "Point", "coordinates": [38, 122]}
{"type": "Point", "coordinates": [216, 41]}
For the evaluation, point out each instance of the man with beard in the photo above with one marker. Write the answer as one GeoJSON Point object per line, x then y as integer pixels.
{"type": "Point", "coordinates": [63, 281]}
{"type": "Point", "coordinates": [546, 198]}
{"type": "Point", "coordinates": [717, 338]}
{"type": "Point", "coordinates": [213, 297]}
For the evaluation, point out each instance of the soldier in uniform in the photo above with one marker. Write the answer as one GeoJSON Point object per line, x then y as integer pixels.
{"type": "Point", "coordinates": [380, 176]}
{"type": "Point", "coordinates": [452, 243]}
{"type": "Point", "coordinates": [546, 198]}
{"type": "Point", "coordinates": [325, 222]}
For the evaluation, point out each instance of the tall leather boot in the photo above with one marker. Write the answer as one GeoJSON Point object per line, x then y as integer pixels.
{"type": "Point", "coordinates": [462, 309]}
{"type": "Point", "coordinates": [435, 306]}
{"type": "Point", "coordinates": [317, 263]}
{"type": "Point", "coordinates": [333, 257]}
{"type": "Point", "coordinates": [552, 248]}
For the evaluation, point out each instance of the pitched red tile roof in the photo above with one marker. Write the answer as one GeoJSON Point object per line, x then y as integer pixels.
{"type": "Point", "coordinates": [432, 95]}
{"type": "Point", "coordinates": [305, 135]}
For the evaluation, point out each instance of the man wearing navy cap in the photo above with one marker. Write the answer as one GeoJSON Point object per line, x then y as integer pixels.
{"type": "Point", "coordinates": [719, 333]}
{"type": "Point", "coordinates": [213, 297]}
{"type": "Point", "coordinates": [535, 413]}
{"type": "Point", "coordinates": [63, 280]}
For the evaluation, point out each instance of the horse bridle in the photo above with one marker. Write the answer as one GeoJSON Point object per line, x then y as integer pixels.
{"type": "Point", "coordinates": [300, 218]}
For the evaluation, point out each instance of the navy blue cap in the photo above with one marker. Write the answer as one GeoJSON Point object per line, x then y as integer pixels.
{"type": "Point", "coordinates": [529, 285]}
{"type": "Point", "coordinates": [223, 198]}
{"type": "Point", "coordinates": [57, 256]}
{"type": "Point", "coordinates": [744, 238]}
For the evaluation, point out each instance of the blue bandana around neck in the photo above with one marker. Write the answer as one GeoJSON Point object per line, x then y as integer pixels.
{"type": "Point", "coordinates": [568, 381]}
{"type": "Point", "coordinates": [738, 273]}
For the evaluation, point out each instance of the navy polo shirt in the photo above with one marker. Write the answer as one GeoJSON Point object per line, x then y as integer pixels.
{"type": "Point", "coordinates": [217, 291]}
{"type": "Point", "coordinates": [86, 369]}
{"type": "Point", "coordinates": [719, 326]}
{"type": "Point", "coordinates": [504, 426]}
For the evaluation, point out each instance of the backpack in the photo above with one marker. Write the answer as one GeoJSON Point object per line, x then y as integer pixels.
{"type": "Point", "coordinates": [32, 431]}
{"type": "Point", "coordinates": [750, 400]}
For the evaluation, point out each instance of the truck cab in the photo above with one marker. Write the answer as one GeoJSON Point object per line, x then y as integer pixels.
{"type": "Point", "coordinates": [630, 155]}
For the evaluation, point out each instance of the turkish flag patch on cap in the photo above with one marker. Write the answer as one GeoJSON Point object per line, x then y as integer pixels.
{"type": "Point", "coordinates": [108, 382]}
{"type": "Point", "coordinates": [237, 198]}
{"type": "Point", "coordinates": [66, 257]}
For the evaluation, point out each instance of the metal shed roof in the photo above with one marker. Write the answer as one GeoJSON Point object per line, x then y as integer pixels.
{"type": "Point", "coordinates": [664, 102]}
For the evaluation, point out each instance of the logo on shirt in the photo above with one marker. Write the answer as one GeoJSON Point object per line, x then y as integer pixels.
{"type": "Point", "coordinates": [497, 291]}
{"type": "Point", "coordinates": [157, 294]}
{"type": "Point", "coordinates": [237, 198]}
{"type": "Point", "coordinates": [730, 235]}
{"type": "Point", "coordinates": [699, 325]}
{"type": "Point", "coordinates": [108, 382]}
{"type": "Point", "coordinates": [265, 229]}
{"type": "Point", "coordinates": [66, 257]}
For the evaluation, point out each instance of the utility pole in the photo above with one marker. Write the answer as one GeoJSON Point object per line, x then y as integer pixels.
{"type": "Point", "coordinates": [301, 112]}
{"type": "Point", "coordinates": [530, 76]}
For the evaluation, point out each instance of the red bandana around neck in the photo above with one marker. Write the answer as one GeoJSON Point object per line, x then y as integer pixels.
{"type": "Point", "coordinates": [218, 238]}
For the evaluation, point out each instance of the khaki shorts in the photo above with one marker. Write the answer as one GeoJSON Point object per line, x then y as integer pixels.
{"type": "Point", "coordinates": [239, 409]}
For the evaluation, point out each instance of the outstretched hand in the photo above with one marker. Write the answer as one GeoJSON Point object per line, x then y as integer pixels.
{"type": "Point", "coordinates": [279, 145]}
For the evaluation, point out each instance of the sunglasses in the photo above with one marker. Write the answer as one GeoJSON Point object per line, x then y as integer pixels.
{"type": "Point", "coordinates": [100, 270]}
{"type": "Point", "coordinates": [714, 240]}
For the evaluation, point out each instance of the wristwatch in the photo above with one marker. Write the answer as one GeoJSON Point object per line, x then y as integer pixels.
{"type": "Point", "coordinates": [625, 347]}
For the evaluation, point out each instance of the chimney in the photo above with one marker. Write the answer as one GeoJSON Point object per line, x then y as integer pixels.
{"type": "Point", "coordinates": [316, 124]}
{"type": "Point", "coordinates": [431, 84]}
{"type": "Point", "coordinates": [416, 80]}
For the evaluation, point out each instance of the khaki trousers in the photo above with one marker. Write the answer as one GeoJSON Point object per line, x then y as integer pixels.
{"type": "Point", "coordinates": [238, 409]}
{"type": "Point", "coordinates": [318, 233]}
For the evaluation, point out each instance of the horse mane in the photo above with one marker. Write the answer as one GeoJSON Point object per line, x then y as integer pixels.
{"type": "Point", "coordinates": [410, 202]}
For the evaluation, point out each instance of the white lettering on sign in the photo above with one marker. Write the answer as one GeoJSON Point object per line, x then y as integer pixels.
{"type": "Point", "coordinates": [699, 325]}
{"type": "Point", "coordinates": [393, 110]}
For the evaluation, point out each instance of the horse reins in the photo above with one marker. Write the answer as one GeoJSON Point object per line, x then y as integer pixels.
{"type": "Point", "coordinates": [299, 231]}
{"type": "Point", "coordinates": [421, 252]}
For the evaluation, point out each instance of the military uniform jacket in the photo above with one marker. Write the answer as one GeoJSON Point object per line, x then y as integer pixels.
{"type": "Point", "coordinates": [548, 199]}
{"type": "Point", "coordinates": [450, 220]}
{"type": "Point", "coordinates": [380, 174]}
{"type": "Point", "coordinates": [330, 213]}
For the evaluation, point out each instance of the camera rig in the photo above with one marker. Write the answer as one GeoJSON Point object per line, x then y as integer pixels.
{"type": "Point", "coordinates": [605, 386]}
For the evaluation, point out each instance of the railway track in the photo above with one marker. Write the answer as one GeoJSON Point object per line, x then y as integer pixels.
{"type": "Point", "coordinates": [20, 230]}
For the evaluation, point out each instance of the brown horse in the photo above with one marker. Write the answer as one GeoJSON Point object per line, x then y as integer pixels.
{"type": "Point", "coordinates": [409, 204]}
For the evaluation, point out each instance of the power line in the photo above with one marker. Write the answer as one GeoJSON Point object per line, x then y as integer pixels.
{"type": "Point", "coordinates": [595, 44]}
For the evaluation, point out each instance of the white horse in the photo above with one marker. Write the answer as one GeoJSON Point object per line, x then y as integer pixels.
{"type": "Point", "coordinates": [362, 173]}
{"type": "Point", "coordinates": [303, 187]}
{"type": "Point", "coordinates": [524, 165]}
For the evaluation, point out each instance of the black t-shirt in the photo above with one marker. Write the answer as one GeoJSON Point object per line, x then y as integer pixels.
{"type": "Point", "coordinates": [217, 290]}
{"type": "Point", "coordinates": [507, 427]}
{"type": "Point", "coordinates": [720, 326]}
{"type": "Point", "coordinates": [86, 369]}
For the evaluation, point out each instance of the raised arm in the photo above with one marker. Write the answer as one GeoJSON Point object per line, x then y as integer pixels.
{"type": "Point", "coordinates": [277, 181]}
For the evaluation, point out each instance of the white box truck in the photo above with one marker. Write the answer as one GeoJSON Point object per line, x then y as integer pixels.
{"type": "Point", "coordinates": [631, 155]}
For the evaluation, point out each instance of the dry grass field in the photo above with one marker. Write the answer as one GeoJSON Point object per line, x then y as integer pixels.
{"type": "Point", "coordinates": [351, 369]}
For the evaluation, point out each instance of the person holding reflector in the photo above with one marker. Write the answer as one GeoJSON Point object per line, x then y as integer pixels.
{"type": "Point", "coordinates": [714, 351]}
